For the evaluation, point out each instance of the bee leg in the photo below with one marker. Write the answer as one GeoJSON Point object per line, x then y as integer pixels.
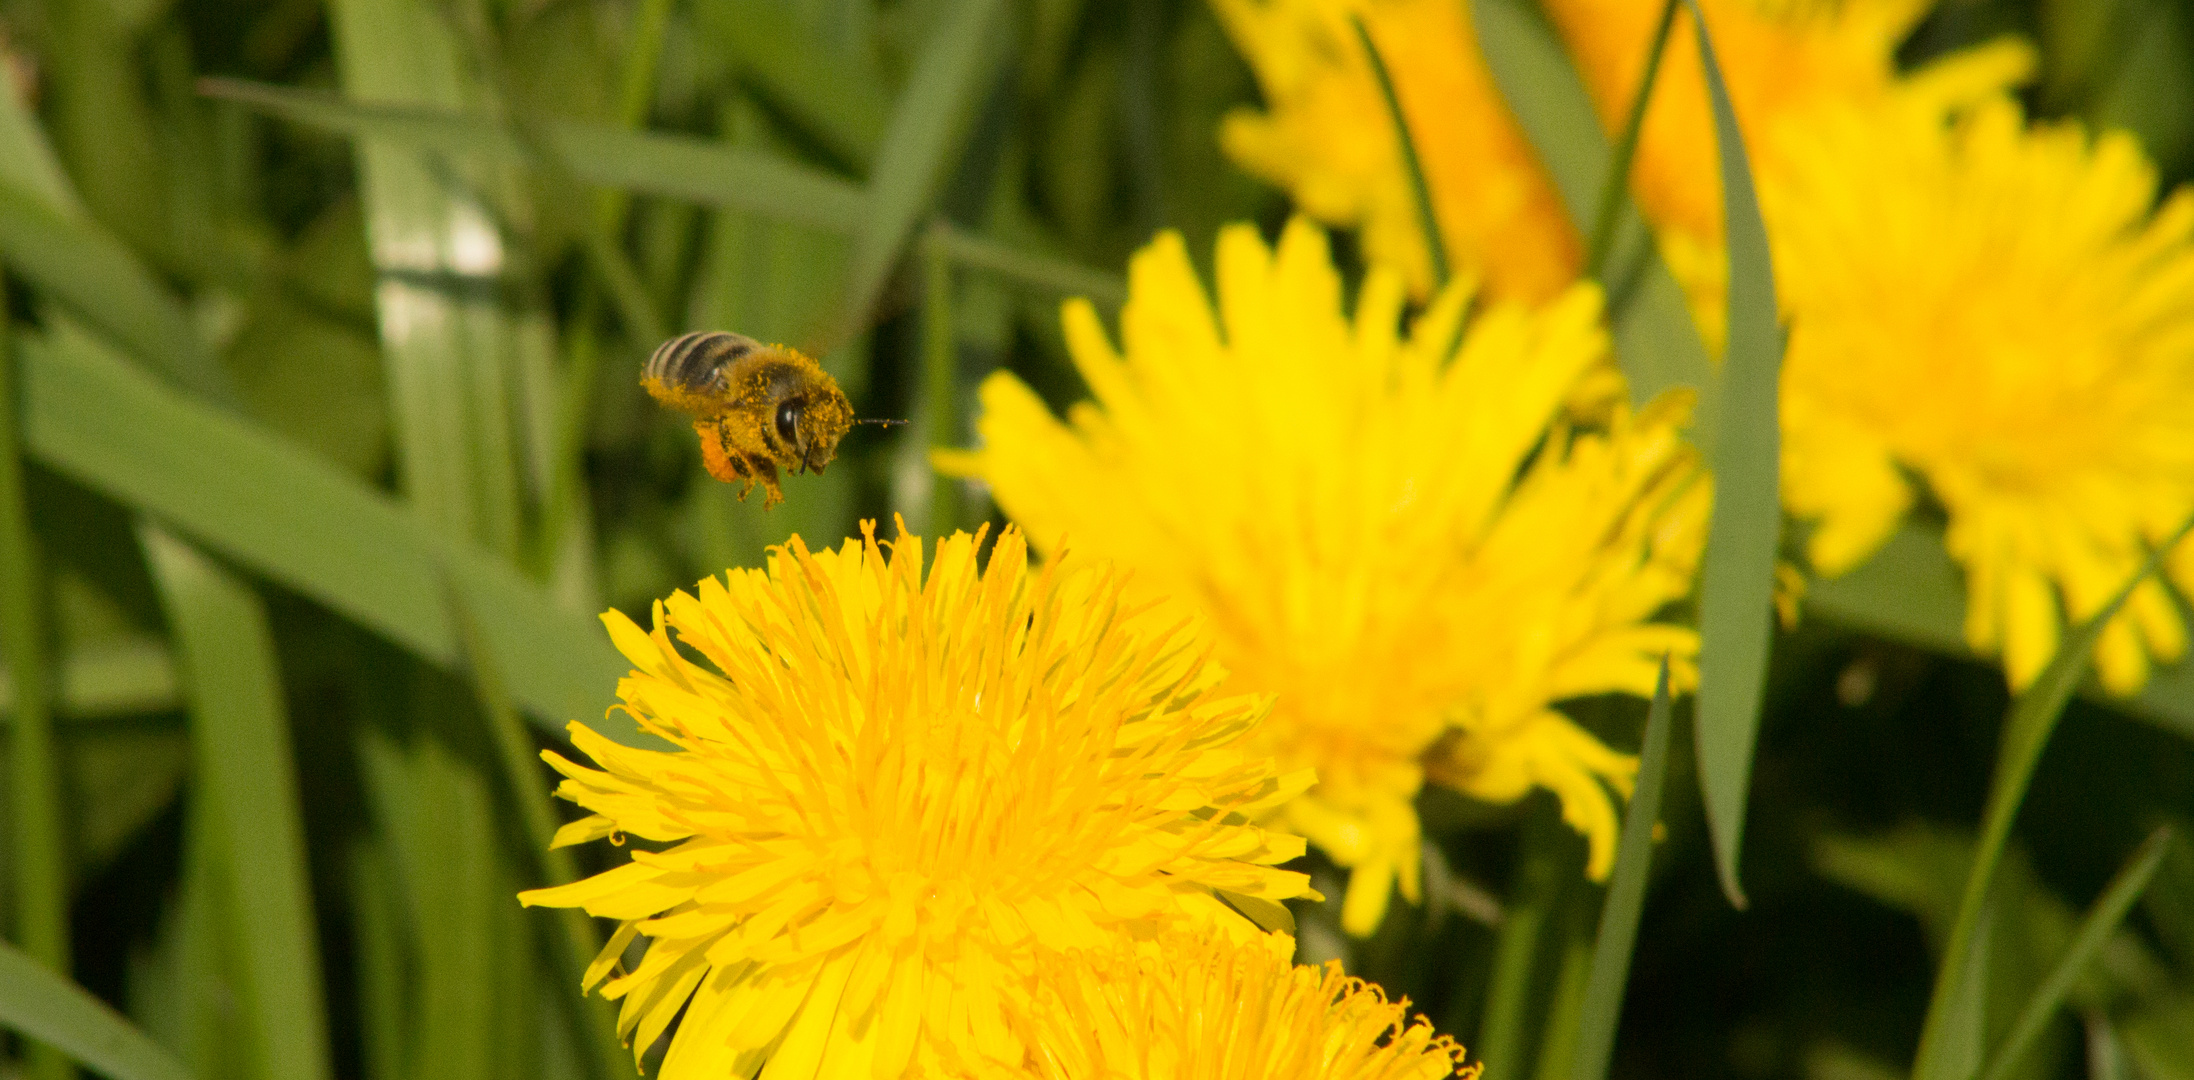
{"type": "Point", "coordinates": [765, 471]}
{"type": "Point", "coordinates": [717, 458]}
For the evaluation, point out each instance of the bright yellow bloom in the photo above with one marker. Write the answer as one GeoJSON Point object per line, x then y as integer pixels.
{"type": "Point", "coordinates": [1399, 536]}
{"type": "Point", "coordinates": [1783, 61]}
{"type": "Point", "coordinates": [1328, 139]}
{"type": "Point", "coordinates": [892, 793]}
{"type": "Point", "coordinates": [1213, 1010]}
{"type": "Point", "coordinates": [1997, 311]}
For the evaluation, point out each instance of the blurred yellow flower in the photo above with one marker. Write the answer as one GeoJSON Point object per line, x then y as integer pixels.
{"type": "Point", "coordinates": [1782, 60]}
{"type": "Point", "coordinates": [1402, 537]}
{"type": "Point", "coordinates": [1327, 138]}
{"type": "Point", "coordinates": [890, 793]}
{"type": "Point", "coordinates": [1213, 1010]}
{"type": "Point", "coordinates": [1998, 312]}
{"type": "Point", "coordinates": [1777, 59]}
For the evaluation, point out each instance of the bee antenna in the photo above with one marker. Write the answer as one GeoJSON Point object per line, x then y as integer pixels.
{"type": "Point", "coordinates": [880, 423]}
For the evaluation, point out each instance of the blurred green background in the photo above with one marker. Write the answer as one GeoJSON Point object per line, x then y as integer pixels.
{"type": "Point", "coordinates": [324, 320]}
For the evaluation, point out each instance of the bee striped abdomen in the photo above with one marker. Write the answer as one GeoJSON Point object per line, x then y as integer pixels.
{"type": "Point", "coordinates": [692, 366]}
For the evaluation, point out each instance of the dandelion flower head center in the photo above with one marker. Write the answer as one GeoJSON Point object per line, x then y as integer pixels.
{"type": "Point", "coordinates": [887, 779]}
{"type": "Point", "coordinates": [1397, 533]}
{"type": "Point", "coordinates": [2005, 313]}
{"type": "Point", "coordinates": [2052, 367]}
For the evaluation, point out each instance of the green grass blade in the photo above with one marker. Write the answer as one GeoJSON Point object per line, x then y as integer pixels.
{"type": "Point", "coordinates": [27, 160]}
{"type": "Point", "coordinates": [2169, 901]}
{"type": "Point", "coordinates": [1566, 1003]}
{"type": "Point", "coordinates": [433, 815]}
{"type": "Point", "coordinates": [378, 957]}
{"type": "Point", "coordinates": [241, 753]}
{"type": "Point", "coordinates": [651, 163]}
{"type": "Point", "coordinates": [449, 331]}
{"type": "Point", "coordinates": [129, 676]}
{"type": "Point", "coordinates": [1428, 221]}
{"type": "Point", "coordinates": [940, 381]}
{"type": "Point", "coordinates": [1619, 914]}
{"type": "Point", "coordinates": [2087, 943]}
{"type": "Point", "coordinates": [833, 94]}
{"type": "Point", "coordinates": [2106, 1056]}
{"type": "Point", "coordinates": [929, 125]}
{"type": "Point", "coordinates": [1655, 340]}
{"type": "Point", "coordinates": [1964, 1027]}
{"type": "Point", "coordinates": [1531, 67]}
{"type": "Point", "coordinates": [1028, 268]}
{"type": "Point", "coordinates": [636, 86]}
{"type": "Point", "coordinates": [57, 1012]}
{"type": "Point", "coordinates": [1736, 620]}
{"type": "Point", "coordinates": [95, 278]}
{"type": "Point", "coordinates": [307, 525]}
{"type": "Point", "coordinates": [565, 543]}
{"type": "Point", "coordinates": [611, 267]}
{"type": "Point", "coordinates": [2027, 728]}
{"type": "Point", "coordinates": [1548, 866]}
{"type": "Point", "coordinates": [1614, 189]}
{"type": "Point", "coordinates": [635, 100]}
{"type": "Point", "coordinates": [37, 852]}
{"type": "Point", "coordinates": [529, 783]}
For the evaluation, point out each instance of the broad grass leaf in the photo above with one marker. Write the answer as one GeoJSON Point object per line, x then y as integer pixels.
{"type": "Point", "coordinates": [1736, 622]}
{"type": "Point", "coordinates": [60, 1013]}
{"type": "Point", "coordinates": [652, 163]}
{"type": "Point", "coordinates": [100, 281]}
{"type": "Point", "coordinates": [240, 740]}
{"type": "Point", "coordinates": [279, 512]}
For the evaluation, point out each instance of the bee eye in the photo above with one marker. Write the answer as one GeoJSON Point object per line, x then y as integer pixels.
{"type": "Point", "coordinates": [788, 422]}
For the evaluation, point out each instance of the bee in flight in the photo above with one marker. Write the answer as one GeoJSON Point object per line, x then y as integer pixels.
{"type": "Point", "coordinates": [757, 407]}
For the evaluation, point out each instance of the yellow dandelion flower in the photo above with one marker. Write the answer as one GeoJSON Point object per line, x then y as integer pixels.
{"type": "Point", "coordinates": [1777, 59]}
{"type": "Point", "coordinates": [1326, 138]}
{"type": "Point", "coordinates": [1999, 312]}
{"type": "Point", "coordinates": [1782, 60]}
{"type": "Point", "coordinates": [1213, 1010]}
{"type": "Point", "coordinates": [890, 792]}
{"type": "Point", "coordinates": [1399, 536]}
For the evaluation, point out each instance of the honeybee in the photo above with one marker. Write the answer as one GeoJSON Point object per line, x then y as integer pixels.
{"type": "Point", "coordinates": [756, 407]}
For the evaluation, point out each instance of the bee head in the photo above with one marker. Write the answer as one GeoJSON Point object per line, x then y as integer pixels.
{"type": "Point", "coordinates": [807, 427]}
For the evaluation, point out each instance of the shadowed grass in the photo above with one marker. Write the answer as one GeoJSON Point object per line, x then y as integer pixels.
{"type": "Point", "coordinates": [1947, 1029]}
